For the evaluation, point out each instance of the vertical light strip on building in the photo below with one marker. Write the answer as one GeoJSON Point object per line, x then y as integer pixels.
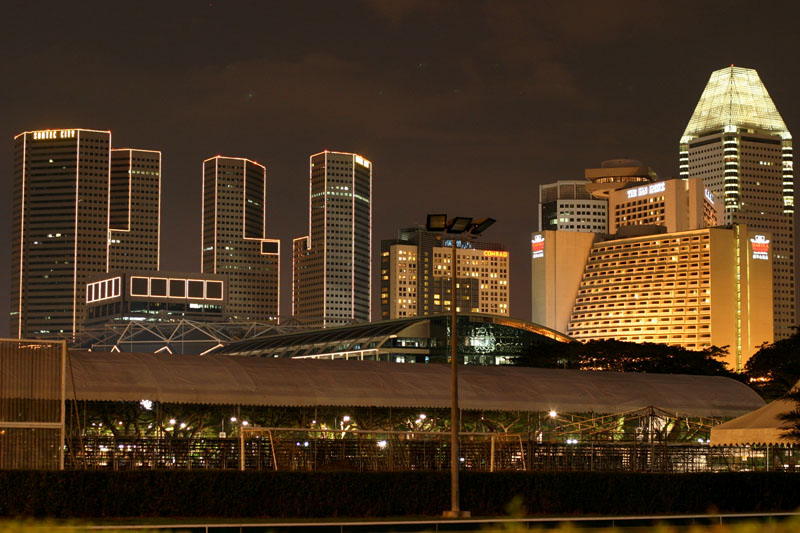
{"type": "Point", "coordinates": [158, 237]}
{"type": "Point", "coordinates": [22, 231]}
{"type": "Point", "coordinates": [75, 232]}
{"type": "Point", "coordinates": [324, 242]}
{"type": "Point", "coordinates": [353, 241]}
{"type": "Point", "coordinates": [737, 247]}
{"type": "Point", "coordinates": [216, 209]}
{"type": "Point", "coordinates": [202, 218]}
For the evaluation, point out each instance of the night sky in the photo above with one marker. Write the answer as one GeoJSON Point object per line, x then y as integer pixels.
{"type": "Point", "coordinates": [463, 107]}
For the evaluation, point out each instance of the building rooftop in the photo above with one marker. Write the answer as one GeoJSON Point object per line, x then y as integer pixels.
{"type": "Point", "coordinates": [734, 98]}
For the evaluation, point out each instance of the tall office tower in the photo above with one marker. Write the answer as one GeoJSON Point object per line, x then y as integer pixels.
{"type": "Point", "coordinates": [567, 205]}
{"type": "Point", "coordinates": [234, 239]}
{"type": "Point", "coordinates": [416, 279]}
{"type": "Point", "coordinates": [738, 144]}
{"type": "Point", "coordinates": [59, 227]}
{"type": "Point", "coordinates": [134, 219]}
{"type": "Point", "coordinates": [331, 266]}
{"type": "Point", "coordinates": [616, 174]}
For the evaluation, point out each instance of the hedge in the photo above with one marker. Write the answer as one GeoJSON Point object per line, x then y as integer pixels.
{"type": "Point", "coordinates": [97, 494]}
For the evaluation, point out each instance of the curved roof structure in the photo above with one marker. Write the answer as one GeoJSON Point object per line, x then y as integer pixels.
{"type": "Point", "coordinates": [260, 381]}
{"type": "Point", "coordinates": [423, 334]}
{"type": "Point", "coordinates": [734, 98]}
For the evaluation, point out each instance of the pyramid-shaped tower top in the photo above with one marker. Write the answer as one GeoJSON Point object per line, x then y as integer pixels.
{"type": "Point", "coordinates": [735, 98]}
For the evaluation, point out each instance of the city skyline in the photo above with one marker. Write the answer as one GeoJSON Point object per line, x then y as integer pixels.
{"type": "Point", "coordinates": [440, 111]}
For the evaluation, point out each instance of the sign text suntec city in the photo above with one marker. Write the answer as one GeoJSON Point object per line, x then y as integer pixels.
{"type": "Point", "coordinates": [53, 134]}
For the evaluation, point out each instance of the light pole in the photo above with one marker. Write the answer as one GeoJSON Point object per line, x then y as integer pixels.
{"type": "Point", "coordinates": [468, 227]}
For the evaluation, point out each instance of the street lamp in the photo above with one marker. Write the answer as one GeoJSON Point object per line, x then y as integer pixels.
{"type": "Point", "coordinates": [469, 227]}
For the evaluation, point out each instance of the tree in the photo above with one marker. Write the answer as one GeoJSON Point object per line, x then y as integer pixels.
{"type": "Point", "coordinates": [793, 416]}
{"type": "Point", "coordinates": [628, 357]}
{"type": "Point", "coordinates": [775, 368]}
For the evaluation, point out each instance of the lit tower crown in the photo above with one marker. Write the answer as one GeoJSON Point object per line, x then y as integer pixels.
{"type": "Point", "coordinates": [735, 98]}
{"type": "Point", "coordinates": [738, 144]}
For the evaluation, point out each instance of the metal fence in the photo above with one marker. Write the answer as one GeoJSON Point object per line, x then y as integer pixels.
{"type": "Point", "coordinates": [32, 404]}
{"type": "Point", "coordinates": [305, 450]}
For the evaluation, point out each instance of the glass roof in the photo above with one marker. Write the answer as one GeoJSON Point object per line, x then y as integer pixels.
{"type": "Point", "coordinates": [734, 98]}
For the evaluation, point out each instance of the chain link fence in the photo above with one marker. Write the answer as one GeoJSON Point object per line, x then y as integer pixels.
{"type": "Point", "coordinates": [307, 450]}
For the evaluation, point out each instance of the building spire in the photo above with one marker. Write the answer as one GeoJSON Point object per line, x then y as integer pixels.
{"type": "Point", "coordinates": [735, 98]}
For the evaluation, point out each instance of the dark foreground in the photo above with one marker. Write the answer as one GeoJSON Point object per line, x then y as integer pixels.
{"type": "Point", "coordinates": [282, 495]}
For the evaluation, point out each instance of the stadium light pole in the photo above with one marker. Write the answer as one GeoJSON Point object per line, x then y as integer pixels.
{"type": "Point", "coordinates": [469, 227]}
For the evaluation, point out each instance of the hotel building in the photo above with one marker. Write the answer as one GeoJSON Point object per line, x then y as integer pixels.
{"type": "Point", "coordinates": [738, 144]}
{"type": "Point", "coordinates": [416, 277]}
{"type": "Point", "coordinates": [331, 266]}
{"type": "Point", "coordinates": [616, 174]}
{"type": "Point", "coordinates": [234, 240]}
{"type": "Point", "coordinates": [134, 234]}
{"type": "Point", "coordinates": [696, 289]}
{"type": "Point", "coordinates": [568, 206]}
{"type": "Point", "coordinates": [676, 204]}
{"type": "Point", "coordinates": [59, 227]}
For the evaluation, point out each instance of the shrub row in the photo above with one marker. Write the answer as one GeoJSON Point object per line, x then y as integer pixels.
{"type": "Point", "coordinates": [77, 494]}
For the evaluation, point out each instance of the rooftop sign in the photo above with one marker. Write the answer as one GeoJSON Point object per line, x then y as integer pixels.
{"type": "Point", "coordinates": [636, 192]}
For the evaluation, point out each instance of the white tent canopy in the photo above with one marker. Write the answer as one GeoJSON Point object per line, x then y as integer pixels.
{"type": "Point", "coordinates": [762, 426]}
{"type": "Point", "coordinates": [289, 382]}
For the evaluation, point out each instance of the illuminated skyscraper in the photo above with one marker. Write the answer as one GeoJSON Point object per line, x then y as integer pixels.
{"type": "Point", "coordinates": [59, 227]}
{"type": "Point", "coordinates": [234, 239]}
{"type": "Point", "coordinates": [134, 210]}
{"type": "Point", "coordinates": [332, 269]}
{"type": "Point", "coordinates": [738, 144]}
{"type": "Point", "coordinates": [416, 276]}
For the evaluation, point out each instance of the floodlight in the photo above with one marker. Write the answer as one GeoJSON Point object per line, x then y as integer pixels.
{"type": "Point", "coordinates": [436, 223]}
{"type": "Point", "coordinates": [458, 224]}
{"type": "Point", "coordinates": [480, 225]}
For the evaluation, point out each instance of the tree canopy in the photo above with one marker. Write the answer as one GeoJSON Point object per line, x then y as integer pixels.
{"type": "Point", "coordinates": [628, 357]}
{"type": "Point", "coordinates": [775, 368]}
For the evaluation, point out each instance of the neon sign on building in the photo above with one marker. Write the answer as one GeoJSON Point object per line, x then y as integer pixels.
{"type": "Point", "coordinates": [494, 253]}
{"type": "Point", "coordinates": [760, 247]}
{"type": "Point", "coordinates": [537, 246]}
{"type": "Point", "coordinates": [637, 192]}
{"type": "Point", "coordinates": [53, 134]}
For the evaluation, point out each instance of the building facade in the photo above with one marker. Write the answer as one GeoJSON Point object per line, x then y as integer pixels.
{"type": "Point", "coordinates": [568, 206]}
{"type": "Point", "coordinates": [676, 204]}
{"type": "Point", "coordinates": [617, 174]}
{"type": "Point", "coordinates": [332, 265]}
{"type": "Point", "coordinates": [557, 261]}
{"type": "Point", "coordinates": [59, 227]}
{"type": "Point", "coordinates": [234, 239]}
{"type": "Point", "coordinates": [155, 296]}
{"type": "Point", "coordinates": [696, 289]}
{"type": "Point", "coordinates": [416, 276]}
{"type": "Point", "coordinates": [134, 219]}
{"type": "Point", "coordinates": [738, 144]}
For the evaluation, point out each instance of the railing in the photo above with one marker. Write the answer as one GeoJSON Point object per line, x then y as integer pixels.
{"type": "Point", "coordinates": [306, 450]}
